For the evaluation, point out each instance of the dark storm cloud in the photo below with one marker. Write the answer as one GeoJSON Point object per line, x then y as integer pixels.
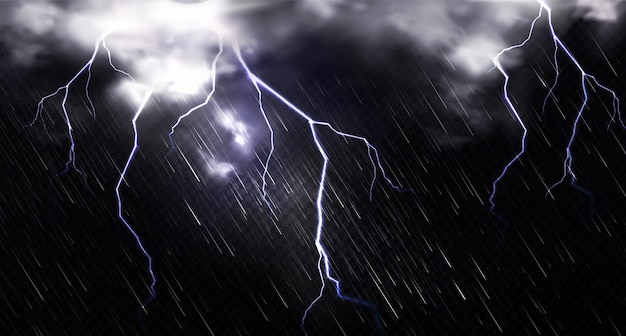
{"type": "Point", "coordinates": [177, 37]}
{"type": "Point", "coordinates": [463, 26]}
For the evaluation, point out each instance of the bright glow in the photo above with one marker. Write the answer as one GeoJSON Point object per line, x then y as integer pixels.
{"type": "Point", "coordinates": [476, 55]}
{"type": "Point", "coordinates": [236, 127]}
{"type": "Point", "coordinates": [151, 16]}
{"type": "Point", "coordinates": [217, 168]}
{"type": "Point", "coordinates": [132, 91]}
{"type": "Point", "coordinates": [179, 77]}
{"type": "Point", "coordinates": [240, 139]}
{"type": "Point", "coordinates": [166, 44]}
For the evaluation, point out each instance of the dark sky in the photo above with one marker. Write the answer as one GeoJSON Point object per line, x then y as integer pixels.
{"type": "Point", "coordinates": [434, 262]}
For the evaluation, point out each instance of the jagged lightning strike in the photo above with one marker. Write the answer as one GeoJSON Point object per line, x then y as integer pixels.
{"type": "Point", "coordinates": [71, 162]}
{"type": "Point", "coordinates": [323, 264]}
{"type": "Point", "coordinates": [587, 81]}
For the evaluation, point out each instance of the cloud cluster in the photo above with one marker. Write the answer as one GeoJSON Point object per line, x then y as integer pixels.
{"type": "Point", "coordinates": [602, 10]}
{"type": "Point", "coordinates": [469, 31]}
{"type": "Point", "coordinates": [164, 44]}
{"type": "Point", "coordinates": [167, 44]}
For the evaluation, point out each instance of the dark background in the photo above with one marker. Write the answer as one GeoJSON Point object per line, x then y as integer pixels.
{"type": "Point", "coordinates": [69, 266]}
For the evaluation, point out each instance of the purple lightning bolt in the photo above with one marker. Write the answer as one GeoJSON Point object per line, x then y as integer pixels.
{"type": "Point", "coordinates": [587, 81]}
{"type": "Point", "coordinates": [324, 260]}
{"type": "Point", "coordinates": [120, 214]}
{"type": "Point", "coordinates": [71, 161]}
{"type": "Point", "coordinates": [323, 263]}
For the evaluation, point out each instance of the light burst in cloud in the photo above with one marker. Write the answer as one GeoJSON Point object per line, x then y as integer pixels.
{"type": "Point", "coordinates": [165, 44]}
{"type": "Point", "coordinates": [475, 55]}
{"type": "Point", "coordinates": [215, 167]}
{"type": "Point", "coordinates": [238, 129]}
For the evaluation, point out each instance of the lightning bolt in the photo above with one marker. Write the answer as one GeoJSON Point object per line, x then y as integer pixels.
{"type": "Point", "coordinates": [323, 263]}
{"type": "Point", "coordinates": [71, 161]}
{"type": "Point", "coordinates": [120, 214]}
{"type": "Point", "coordinates": [588, 81]}
{"type": "Point", "coordinates": [208, 97]}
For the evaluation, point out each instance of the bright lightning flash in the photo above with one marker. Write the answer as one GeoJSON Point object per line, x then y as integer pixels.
{"type": "Point", "coordinates": [323, 264]}
{"type": "Point", "coordinates": [588, 81]}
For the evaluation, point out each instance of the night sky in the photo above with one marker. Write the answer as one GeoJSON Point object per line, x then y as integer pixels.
{"type": "Point", "coordinates": [434, 261]}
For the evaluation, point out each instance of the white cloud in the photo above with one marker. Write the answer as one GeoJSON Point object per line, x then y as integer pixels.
{"type": "Point", "coordinates": [217, 168]}
{"type": "Point", "coordinates": [169, 45]}
{"type": "Point", "coordinates": [602, 10]}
